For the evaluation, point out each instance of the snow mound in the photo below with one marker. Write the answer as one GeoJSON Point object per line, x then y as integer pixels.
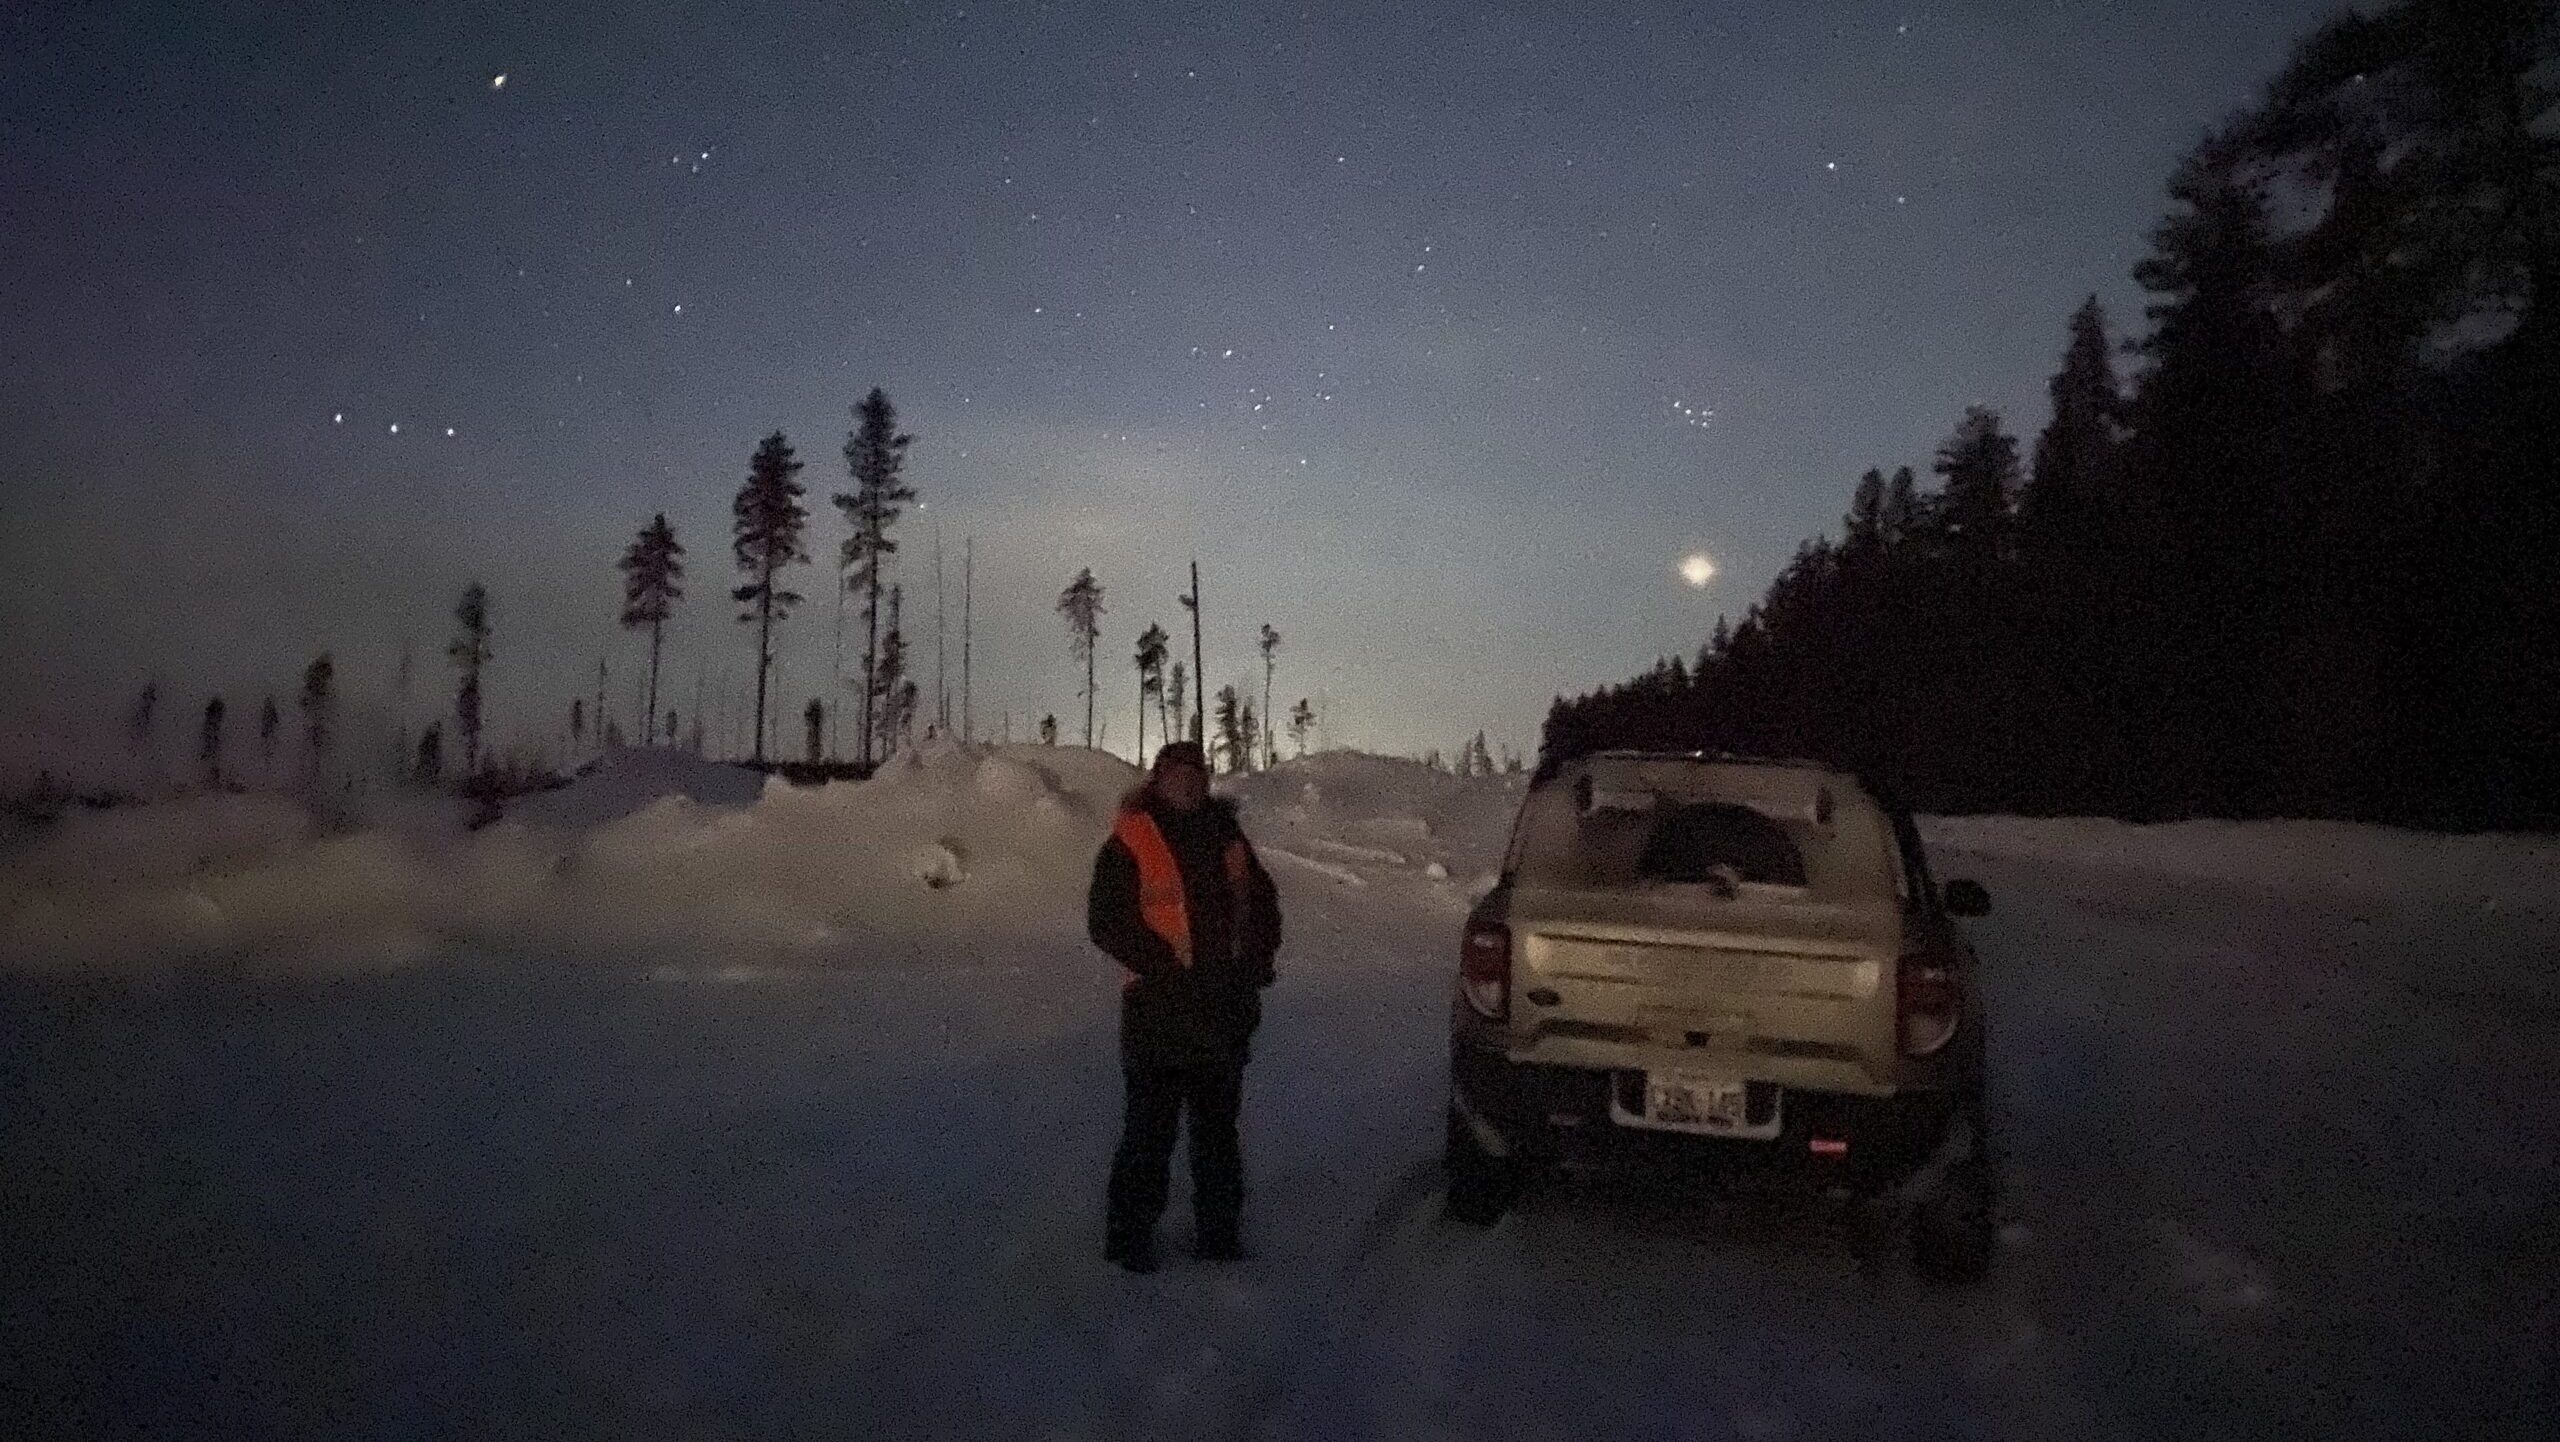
{"type": "Point", "coordinates": [1381, 809]}
{"type": "Point", "coordinates": [623, 781]}
{"type": "Point", "coordinates": [652, 858]}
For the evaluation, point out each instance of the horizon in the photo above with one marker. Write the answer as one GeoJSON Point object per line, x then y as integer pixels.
{"type": "Point", "coordinates": [1447, 392]}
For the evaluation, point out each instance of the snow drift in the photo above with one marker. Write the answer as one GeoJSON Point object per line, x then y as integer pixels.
{"type": "Point", "coordinates": [650, 857]}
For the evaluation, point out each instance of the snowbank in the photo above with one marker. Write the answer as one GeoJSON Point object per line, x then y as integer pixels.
{"type": "Point", "coordinates": [657, 858]}
{"type": "Point", "coordinates": [651, 857]}
{"type": "Point", "coordinates": [1362, 813]}
{"type": "Point", "coordinates": [624, 780]}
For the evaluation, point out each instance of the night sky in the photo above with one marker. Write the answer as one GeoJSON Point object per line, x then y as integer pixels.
{"type": "Point", "coordinates": [1440, 335]}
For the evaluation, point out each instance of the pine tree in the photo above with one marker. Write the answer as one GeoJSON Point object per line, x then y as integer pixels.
{"type": "Point", "coordinates": [1177, 694]}
{"type": "Point", "coordinates": [1249, 731]}
{"type": "Point", "coordinates": [1081, 604]}
{"type": "Point", "coordinates": [141, 726]}
{"type": "Point", "coordinates": [1979, 466]}
{"type": "Point", "coordinates": [1049, 730]}
{"type": "Point", "coordinates": [431, 754]}
{"type": "Point", "coordinates": [1230, 728]}
{"type": "Point", "coordinates": [209, 743]}
{"type": "Point", "coordinates": [1270, 654]}
{"type": "Point", "coordinates": [578, 721]}
{"type": "Point", "coordinates": [652, 577]}
{"type": "Point", "coordinates": [889, 673]}
{"type": "Point", "coordinates": [1862, 531]}
{"type": "Point", "coordinates": [769, 521]}
{"type": "Point", "coordinates": [813, 719]}
{"type": "Point", "coordinates": [1302, 723]}
{"type": "Point", "coordinates": [319, 712]}
{"type": "Point", "coordinates": [2075, 454]}
{"type": "Point", "coordinates": [269, 723]}
{"type": "Point", "coordinates": [469, 652]}
{"type": "Point", "coordinates": [1152, 645]}
{"type": "Point", "coordinates": [1904, 513]}
{"type": "Point", "coordinates": [875, 454]}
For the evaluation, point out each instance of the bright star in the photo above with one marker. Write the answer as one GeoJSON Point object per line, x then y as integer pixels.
{"type": "Point", "coordinates": [498, 81]}
{"type": "Point", "coordinates": [1697, 570]}
{"type": "Point", "coordinates": [395, 428]}
{"type": "Point", "coordinates": [338, 418]}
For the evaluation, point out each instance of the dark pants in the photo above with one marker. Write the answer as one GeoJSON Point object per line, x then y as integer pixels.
{"type": "Point", "coordinates": [1141, 1169]}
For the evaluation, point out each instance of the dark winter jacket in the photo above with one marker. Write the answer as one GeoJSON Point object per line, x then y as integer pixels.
{"type": "Point", "coordinates": [1171, 1014]}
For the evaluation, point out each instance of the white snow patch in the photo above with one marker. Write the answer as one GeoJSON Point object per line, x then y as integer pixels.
{"type": "Point", "coordinates": [1343, 874]}
{"type": "Point", "coordinates": [625, 780]}
{"type": "Point", "coordinates": [651, 856]}
{"type": "Point", "coordinates": [1350, 851]}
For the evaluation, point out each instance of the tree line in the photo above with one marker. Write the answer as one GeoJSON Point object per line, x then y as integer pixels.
{"type": "Point", "coordinates": [770, 525]}
{"type": "Point", "coordinates": [2306, 562]}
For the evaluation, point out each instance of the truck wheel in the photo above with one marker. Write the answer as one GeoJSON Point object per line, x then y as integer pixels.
{"type": "Point", "coordinates": [1953, 1233]}
{"type": "Point", "coordinates": [1479, 1182]}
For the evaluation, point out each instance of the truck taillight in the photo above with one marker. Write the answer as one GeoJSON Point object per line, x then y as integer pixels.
{"type": "Point", "coordinates": [1484, 970]}
{"type": "Point", "coordinates": [1928, 1001]}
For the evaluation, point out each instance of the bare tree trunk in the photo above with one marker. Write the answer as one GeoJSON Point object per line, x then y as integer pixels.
{"type": "Point", "coordinates": [1142, 718]}
{"type": "Point", "coordinates": [870, 654]}
{"type": "Point", "coordinates": [1199, 667]}
{"type": "Point", "coordinates": [649, 717]}
{"type": "Point", "coordinates": [764, 653]}
{"type": "Point", "coordinates": [968, 594]}
{"type": "Point", "coordinates": [1089, 643]}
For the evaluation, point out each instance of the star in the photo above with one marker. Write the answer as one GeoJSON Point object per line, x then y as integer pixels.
{"type": "Point", "coordinates": [448, 431]}
{"type": "Point", "coordinates": [498, 81]}
{"type": "Point", "coordinates": [338, 418]}
{"type": "Point", "coordinates": [395, 428]}
{"type": "Point", "coordinates": [1831, 165]}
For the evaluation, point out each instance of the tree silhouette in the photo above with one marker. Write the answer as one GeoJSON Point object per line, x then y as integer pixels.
{"type": "Point", "coordinates": [431, 754]}
{"type": "Point", "coordinates": [652, 582]}
{"type": "Point", "coordinates": [1231, 740]}
{"type": "Point", "coordinates": [269, 722]}
{"type": "Point", "coordinates": [1081, 604]}
{"type": "Point", "coordinates": [1152, 645]}
{"type": "Point", "coordinates": [319, 712]}
{"type": "Point", "coordinates": [875, 454]}
{"type": "Point", "coordinates": [769, 520]}
{"type": "Point", "coordinates": [469, 652]}
{"type": "Point", "coordinates": [209, 743]}
{"type": "Point", "coordinates": [1270, 647]}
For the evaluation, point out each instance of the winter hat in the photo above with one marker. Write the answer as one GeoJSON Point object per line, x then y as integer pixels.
{"type": "Point", "coordinates": [1181, 753]}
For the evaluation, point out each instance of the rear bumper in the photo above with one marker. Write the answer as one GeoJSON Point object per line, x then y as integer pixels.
{"type": "Point", "coordinates": [1547, 1113]}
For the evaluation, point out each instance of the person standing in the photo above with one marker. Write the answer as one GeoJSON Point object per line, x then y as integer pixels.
{"type": "Point", "coordinates": [1181, 902]}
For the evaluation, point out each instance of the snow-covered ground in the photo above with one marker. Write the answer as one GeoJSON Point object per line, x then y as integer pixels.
{"type": "Point", "coordinates": [673, 1106]}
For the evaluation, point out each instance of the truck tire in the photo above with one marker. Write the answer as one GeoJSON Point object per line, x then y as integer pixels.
{"type": "Point", "coordinates": [1480, 1183]}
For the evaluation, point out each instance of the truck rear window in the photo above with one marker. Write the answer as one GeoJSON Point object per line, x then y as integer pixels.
{"type": "Point", "coordinates": [1706, 842]}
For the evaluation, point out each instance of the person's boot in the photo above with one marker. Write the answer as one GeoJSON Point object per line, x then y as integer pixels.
{"type": "Point", "coordinates": [1218, 1242]}
{"type": "Point", "coordinates": [1134, 1253]}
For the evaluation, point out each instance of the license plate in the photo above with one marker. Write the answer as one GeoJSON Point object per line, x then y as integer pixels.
{"type": "Point", "coordinates": [1687, 1102]}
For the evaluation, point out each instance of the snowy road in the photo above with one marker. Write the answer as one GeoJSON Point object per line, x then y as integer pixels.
{"type": "Point", "coordinates": [2275, 1171]}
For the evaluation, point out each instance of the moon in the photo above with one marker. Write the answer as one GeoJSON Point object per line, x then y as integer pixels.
{"type": "Point", "coordinates": [1697, 570]}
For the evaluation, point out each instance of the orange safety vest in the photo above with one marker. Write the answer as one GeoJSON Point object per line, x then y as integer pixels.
{"type": "Point", "coordinates": [1162, 907]}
